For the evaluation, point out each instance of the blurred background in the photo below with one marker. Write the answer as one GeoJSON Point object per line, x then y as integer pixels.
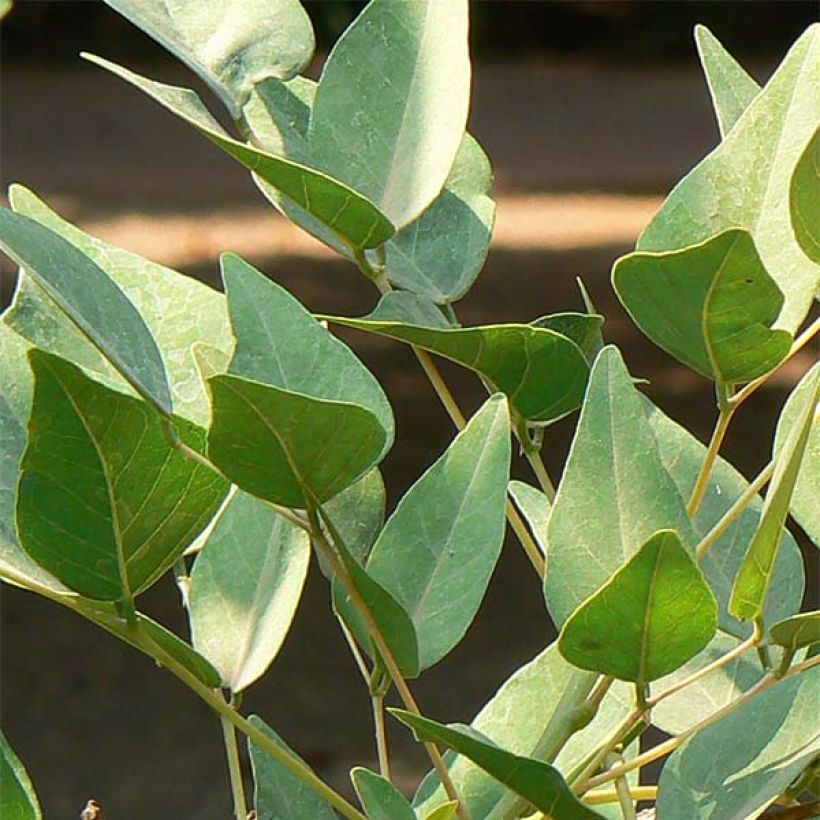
{"type": "Point", "coordinates": [590, 111]}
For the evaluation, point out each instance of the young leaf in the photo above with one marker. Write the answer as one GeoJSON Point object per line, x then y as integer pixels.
{"type": "Point", "coordinates": [349, 214]}
{"type": "Point", "coordinates": [539, 783]}
{"type": "Point", "coordinates": [731, 88]}
{"type": "Point", "coordinates": [710, 305]}
{"type": "Point", "coordinates": [18, 800]}
{"type": "Point", "coordinates": [755, 575]}
{"type": "Point", "coordinates": [105, 503]}
{"type": "Point", "coordinates": [245, 586]}
{"type": "Point", "coordinates": [230, 44]}
{"type": "Point", "coordinates": [651, 617]}
{"type": "Point", "coordinates": [278, 794]}
{"type": "Point", "coordinates": [615, 492]}
{"type": "Point", "coordinates": [379, 797]}
{"type": "Point", "coordinates": [392, 103]}
{"type": "Point", "coordinates": [744, 182]}
{"type": "Point", "coordinates": [535, 507]}
{"type": "Point", "coordinates": [439, 548]}
{"type": "Point", "coordinates": [93, 302]}
{"type": "Point", "coordinates": [796, 632]}
{"type": "Point", "coordinates": [738, 765]}
{"type": "Point", "coordinates": [804, 194]}
{"type": "Point", "coordinates": [177, 309]}
{"type": "Point", "coordinates": [542, 372]}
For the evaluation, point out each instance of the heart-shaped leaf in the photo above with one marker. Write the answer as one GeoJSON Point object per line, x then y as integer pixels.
{"type": "Point", "coordinates": [379, 797]}
{"type": "Point", "coordinates": [18, 800]}
{"type": "Point", "coordinates": [804, 198]}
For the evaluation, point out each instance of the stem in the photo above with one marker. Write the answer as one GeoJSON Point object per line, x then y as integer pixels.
{"type": "Point", "coordinates": [527, 541]}
{"type": "Point", "coordinates": [537, 464]}
{"type": "Point", "coordinates": [381, 735]}
{"type": "Point", "coordinates": [611, 795]}
{"type": "Point", "coordinates": [240, 806]}
{"type": "Point", "coordinates": [354, 650]}
{"type": "Point", "coordinates": [183, 581]}
{"type": "Point", "coordinates": [622, 788]}
{"type": "Point", "coordinates": [442, 391]}
{"type": "Point", "coordinates": [718, 434]}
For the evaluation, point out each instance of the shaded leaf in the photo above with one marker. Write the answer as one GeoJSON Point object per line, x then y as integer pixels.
{"type": "Point", "coordinates": [18, 800]}
{"type": "Point", "coordinates": [710, 305]}
{"type": "Point", "coordinates": [796, 632]}
{"type": "Point", "coordinates": [408, 308]}
{"type": "Point", "coordinates": [245, 586]}
{"type": "Point", "coordinates": [392, 103]}
{"type": "Point", "coordinates": [583, 328]}
{"type": "Point", "coordinates": [535, 507]}
{"type": "Point", "coordinates": [804, 195]}
{"type": "Point", "coordinates": [380, 799]}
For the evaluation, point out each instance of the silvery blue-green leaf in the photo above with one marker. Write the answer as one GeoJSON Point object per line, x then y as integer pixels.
{"type": "Point", "coordinates": [804, 504]}
{"type": "Point", "coordinates": [754, 578]}
{"type": "Point", "coordinates": [105, 503]}
{"type": "Point", "coordinates": [798, 631]}
{"type": "Point", "coordinates": [346, 212]}
{"type": "Point", "coordinates": [614, 494]}
{"type": "Point", "coordinates": [409, 308]}
{"type": "Point", "coordinates": [438, 549]}
{"type": "Point", "coordinates": [744, 182]}
{"type": "Point", "coordinates": [230, 44]}
{"type": "Point", "coordinates": [682, 456]}
{"type": "Point", "coordinates": [245, 586]}
{"type": "Point", "coordinates": [804, 199]}
{"type": "Point", "coordinates": [710, 305]}
{"type": "Point", "coordinates": [392, 103]}
{"type": "Point", "coordinates": [278, 794]}
{"type": "Point", "coordinates": [18, 800]}
{"type": "Point", "coordinates": [380, 799]}
{"type": "Point", "coordinates": [535, 507]}
{"type": "Point", "coordinates": [94, 303]}
{"type": "Point", "coordinates": [177, 309]}
{"type": "Point", "coordinates": [441, 252]}
{"type": "Point", "coordinates": [730, 86]}
{"type": "Point", "coordinates": [734, 768]}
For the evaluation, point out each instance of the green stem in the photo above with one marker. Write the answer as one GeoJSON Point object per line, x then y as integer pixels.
{"type": "Point", "coordinates": [625, 799]}
{"type": "Point", "coordinates": [240, 806]}
{"type": "Point", "coordinates": [381, 735]}
{"type": "Point", "coordinates": [526, 540]}
{"type": "Point", "coordinates": [721, 426]}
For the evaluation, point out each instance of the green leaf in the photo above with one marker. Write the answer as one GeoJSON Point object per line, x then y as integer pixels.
{"type": "Point", "coordinates": [245, 586]}
{"type": "Point", "coordinates": [737, 766]}
{"type": "Point", "coordinates": [591, 533]}
{"type": "Point", "coordinates": [796, 632]}
{"type": "Point", "coordinates": [105, 503]}
{"type": "Point", "coordinates": [392, 103]}
{"type": "Point", "coordinates": [535, 507]}
{"type": "Point", "coordinates": [682, 456]}
{"type": "Point", "coordinates": [93, 302]}
{"type": "Point", "coordinates": [651, 617]}
{"type": "Point", "coordinates": [410, 309]}
{"type": "Point", "coordinates": [278, 794]}
{"type": "Point", "coordinates": [230, 44]}
{"type": "Point", "coordinates": [755, 575]}
{"type": "Point", "coordinates": [349, 214]}
{"type": "Point", "coordinates": [731, 88]}
{"type": "Point", "coordinates": [446, 811]}
{"type": "Point", "coordinates": [438, 550]}
{"type": "Point", "coordinates": [583, 328]}
{"type": "Point", "coordinates": [18, 800]}
{"type": "Point", "coordinates": [539, 783]}
{"type": "Point", "coordinates": [5, 7]}
{"type": "Point", "coordinates": [542, 372]}
{"type": "Point", "coordinates": [803, 199]}
{"type": "Point", "coordinates": [441, 252]}
{"type": "Point", "coordinates": [177, 309]}
{"type": "Point", "coordinates": [710, 305]}
{"type": "Point", "coordinates": [515, 718]}
{"type": "Point", "coordinates": [744, 182]}
{"type": "Point", "coordinates": [804, 506]}
{"type": "Point", "coordinates": [380, 799]}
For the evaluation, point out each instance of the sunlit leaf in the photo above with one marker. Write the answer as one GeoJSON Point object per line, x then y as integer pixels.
{"type": "Point", "coordinates": [804, 199]}
{"type": "Point", "coordinates": [797, 631]}
{"type": "Point", "coordinates": [379, 797]}
{"type": "Point", "coordinates": [18, 800]}
{"type": "Point", "coordinates": [535, 507]}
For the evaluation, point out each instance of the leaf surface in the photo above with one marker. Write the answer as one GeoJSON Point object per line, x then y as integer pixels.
{"type": "Point", "coordinates": [804, 195]}
{"type": "Point", "coordinates": [380, 799]}
{"type": "Point", "coordinates": [798, 631]}
{"type": "Point", "coordinates": [18, 800]}
{"type": "Point", "coordinates": [535, 507]}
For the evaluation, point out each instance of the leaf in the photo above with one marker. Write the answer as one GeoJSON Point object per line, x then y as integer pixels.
{"type": "Point", "coordinates": [796, 632]}
{"type": "Point", "coordinates": [651, 617]}
{"type": "Point", "coordinates": [583, 328]}
{"type": "Point", "coordinates": [230, 44]}
{"type": "Point", "coordinates": [18, 800]}
{"type": "Point", "coordinates": [731, 88]}
{"type": "Point", "coordinates": [380, 799]}
{"type": "Point", "coordinates": [438, 550]}
{"type": "Point", "coordinates": [5, 7]}
{"type": "Point", "coordinates": [245, 586]}
{"type": "Point", "coordinates": [515, 718]}
{"type": "Point", "coordinates": [682, 456]}
{"type": "Point", "coordinates": [755, 575]}
{"type": "Point", "coordinates": [278, 794]}
{"type": "Point", "coordinates": [710, 305]}
{"type": "Point", "coordinates": [446, 811]}
{"type": "Point", "coordinates": [392, 103]}
{"type": "Point", "coordinates": [543, 373]}
{"type": "Point", "coordinates": [803, 195]}
{"type": "Point", "coordinates": [804, 506]}
{"type": "Point", "coordinates": [177, 309]}
{"type": "Point", "coordinates": [539, 783]}
{"type": "Point", "coordinates": [591, 533]}
{"type": "Point", "coordinates": [408, 308]}
{"type": "Point", "coordinates": [105, 503]}
{"type": "Point", "coordinates": [535, 507]}
{"type": "Point", "coordinates": [441, 252]}
{"type": "Point", "coordinates": [350, 215]}
{"type": "Point", "coordinates": [94, 303]}
{"type": "Point", "coordinates": [744, 182]}
{"type": "Point", "coordinates": [738, 765]}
